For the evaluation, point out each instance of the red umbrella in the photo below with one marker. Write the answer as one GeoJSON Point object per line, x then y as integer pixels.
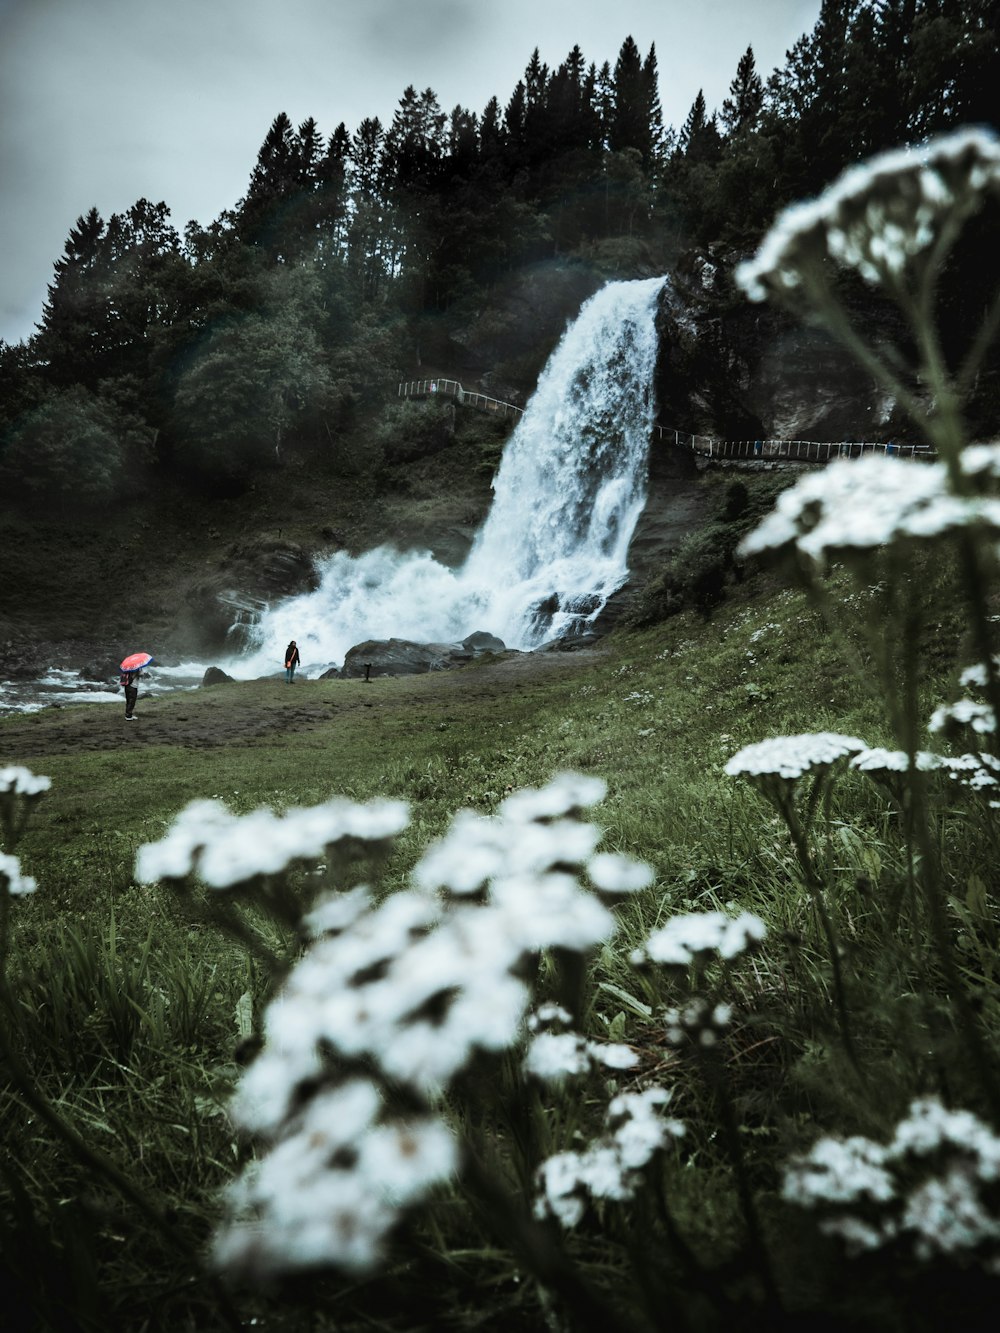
{"type": "Point", "coordinates": [137, 661]}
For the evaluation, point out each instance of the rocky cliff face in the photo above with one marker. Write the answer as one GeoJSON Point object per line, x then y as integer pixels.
{"type": "Point", "coordinates": [743, 371]}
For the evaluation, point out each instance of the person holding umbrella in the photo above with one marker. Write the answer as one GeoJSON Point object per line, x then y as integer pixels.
{"type": "Point", "coordinates": [132, 669]}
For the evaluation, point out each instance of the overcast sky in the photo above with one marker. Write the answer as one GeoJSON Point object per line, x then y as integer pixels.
{"type": "Point", "coordinates": [103, 102]}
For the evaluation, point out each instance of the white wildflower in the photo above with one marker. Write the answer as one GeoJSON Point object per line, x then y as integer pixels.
{"type": "Point", "coordinates": [964, 713]}
{"type": "Point", "coordinates": [565, 794]}
{"type": "Point", "coordinates": [329, 1191]}
{"type": "Point", "coordinates": [946, 1216]}
{"type": "Point", "coordinates": [925, 1186]}
{"type": "Point", "coordinates": [791, 757]}
{"type": "Point", "coordinates": [864, 503]}
{"type": "Point", "coordinates": [226, 850]}
{"type": "Point", "coordinates": [930, 1127]}
{"type": "Point", "coordinates": [698, 934]}
{"type": "Point", "coordinates": [22, 782]}
{"type": "Point", "coordinates": [894, 761]}
{"type": "Point", "coordinates": [612, 873]}
{"type": "Point", "coordinates": [336, 912]}
{"type": "Point", "coordinates": [11, 879]}
{"type": "Point", "coordinates": [553, 1057]}
{"type": "Point", "coordinates": [700, 1022]}
{"type": "Point", "coordinates": [609, 1167]}
{"type": "Point", "coordinates": [839, 1171]}
{"type": "Point", "coordinates": [549, 1015]}
{"type": "Point", "coordinates": [877, 218]}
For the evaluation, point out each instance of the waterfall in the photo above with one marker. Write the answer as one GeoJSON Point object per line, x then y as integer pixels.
{"type": "Point", "coordinates": [567, 496]}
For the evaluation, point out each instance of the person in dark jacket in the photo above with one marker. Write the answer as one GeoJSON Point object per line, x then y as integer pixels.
{"type": "Point", "coordinates": [291, 661]}
{"type": "Point", "coordinates": [130, 684]}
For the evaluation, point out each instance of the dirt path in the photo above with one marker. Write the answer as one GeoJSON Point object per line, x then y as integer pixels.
{"type": "Point", "coordinates": [246, 713]}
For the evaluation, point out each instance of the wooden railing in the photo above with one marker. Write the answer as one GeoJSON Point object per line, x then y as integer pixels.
{"type": "Point", "coordinates": [453, 389]}
{"type": "Point", "coordinates": [793, 451]}
{"type": "Point", "coordinates": [706, 446]}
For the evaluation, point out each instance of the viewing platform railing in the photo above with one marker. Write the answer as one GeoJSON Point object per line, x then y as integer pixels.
{"type": "Point", "coordinates": [794, 451]}
{"type": "Point", "coordinates": [453, 389]}
{"type": "Point", "coordinates": [706, 446]}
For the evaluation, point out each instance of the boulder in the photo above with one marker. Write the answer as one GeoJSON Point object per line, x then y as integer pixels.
{"type": "Point", "coordinates": [483, 642]}
{"type": "Point", "coordinates": [216, 676]}
{"type": "Point", "coordinates": [252, 574]}
{"type": "Point", "coordinates": [400, 657]}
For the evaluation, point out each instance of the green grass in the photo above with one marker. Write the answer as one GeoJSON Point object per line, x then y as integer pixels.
{"type": "Point", "coordinates": [130, 1007]}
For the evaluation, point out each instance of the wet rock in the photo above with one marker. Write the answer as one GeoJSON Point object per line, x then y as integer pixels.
{"type": "Point", "coordinates": [216, 676]}
{"type": "Point", "coordinates": [401, 657]}
{"type": "Point", "coordinates": [252, 574]}
{"type": "Point", "coordinates": [483, 642]}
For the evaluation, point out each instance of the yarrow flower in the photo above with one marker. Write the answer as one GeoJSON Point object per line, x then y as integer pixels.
{"type": "Point", "coordinates": [553, 1057]}
{"type": "Point", "coordinates": [19, 790]}
{"type": "Point", "coordinates": [609, 1168]}
{"type": "Point", "coordinates": [700, 1023]}
{"type": "Point", "coordinates": [964, 713]}
{"type": "Point", "coordinates": [333, 1185]}
{"type": "Point", "coordinates": [22, 782]}
{"type": "Point", "coordinates": [878, 218]}
{"type": "Point", "coordinates": [792, 757]}
{"type": "Point", "coordinates": [698, 935]}
{"type": "Point", "coordinates": [861, 504]}
{"type": "Point", "coordinates": [11, 879]}
{"type": "Point", "coordinates": [933, 1187]}
{"type": "Point", "coordinates": [879, 761]}
{"type": "Point", "coordinates": [410, 989]}
{"type": "Point", "coordinates": [226, 850]}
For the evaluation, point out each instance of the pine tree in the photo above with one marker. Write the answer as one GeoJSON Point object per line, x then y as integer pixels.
{"type": "Point", "coordinates": [741, 109]}
{"type": "Point", "coordinates": [76, 316]}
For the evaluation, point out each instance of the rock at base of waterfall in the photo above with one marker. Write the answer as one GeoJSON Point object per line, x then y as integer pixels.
{"type": "Point", "coordinates": [402, 657]}
{"type": "Point", "coordinates": [569, 643]}
{"type": "Point", "coordinates": [216, 676]}
{"type": "Point", "coordinates": [483, 642]}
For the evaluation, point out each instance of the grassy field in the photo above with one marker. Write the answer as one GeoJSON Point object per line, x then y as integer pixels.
{"type": "Point", "coordinates": [131, 1009]}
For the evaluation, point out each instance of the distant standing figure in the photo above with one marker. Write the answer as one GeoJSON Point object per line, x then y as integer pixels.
{"type": "Point", "coordinates": [291, 661]}
{"type": "Point", "coordinates": [130, 685]}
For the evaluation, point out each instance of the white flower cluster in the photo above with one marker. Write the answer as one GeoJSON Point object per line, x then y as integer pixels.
{"type": "Point", "coordinates": [409, 989]}
{"type": "Point", "coordinates": [878, 761]}
{"type": "Point", "coordinates": [861, 504]}
{"type": "Point", "coordinates": [553, 1057]}
{"type": "Point", "coordinates": [331, 1192]}
{"type": "Point", "coordinates": [19, 790]}
{"type": "Point", "coordinates": [935, 1187]}
{"type": "Point", "coordinates": [980, 773]}
{"type": "Point", "coordinates": [877, 218]}
{"type": "Point", "coordinates": [21, 781]}
{"type": "Point", "coordinates": [700, 1022]}
{"type": "Point", "coordinates": [226, 850]}
{"type": "Point", "coordinates": [964, 713]}
{"type": "Point", "coordinates": [11, 879]}
{"type": "Point", "coordinates": [609, 1168]}
{"type": "Point", "coordinates": [792, 757]}
{"type": "Point", "coordinates": [698, 935]}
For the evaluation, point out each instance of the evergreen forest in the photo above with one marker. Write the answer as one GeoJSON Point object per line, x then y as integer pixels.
{"type": "Point", "coordinates": [202, 355]}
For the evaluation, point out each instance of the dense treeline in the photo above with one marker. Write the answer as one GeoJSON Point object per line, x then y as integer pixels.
{"type": "Point", "coordinates": [203, 353]}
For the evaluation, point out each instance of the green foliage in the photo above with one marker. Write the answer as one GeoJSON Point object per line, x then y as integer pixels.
{"type": "Point", "coordinates": [74, 445]}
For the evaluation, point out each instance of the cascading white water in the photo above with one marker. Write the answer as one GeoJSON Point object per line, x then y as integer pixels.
{"type": "Point", "coordinates": [567, 496]}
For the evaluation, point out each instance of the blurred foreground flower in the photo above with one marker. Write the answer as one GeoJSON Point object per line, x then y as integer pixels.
{"type": "Point", "coordinates": [880, 218]}
{"type": "Point", "coordinates": [409, 990]}
{"type": "Point", "coordinates": [857, 505]}
{"type": "Point", "coordinates": [609, 1168]}
{"type": "Point", "coordinates": [11, 879]}
{"type": "Point", "coordinates": [934, 1188]}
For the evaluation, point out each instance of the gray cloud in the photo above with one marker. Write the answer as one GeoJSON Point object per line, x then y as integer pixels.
{"type": "Point", "coordinates": [107, 101]}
